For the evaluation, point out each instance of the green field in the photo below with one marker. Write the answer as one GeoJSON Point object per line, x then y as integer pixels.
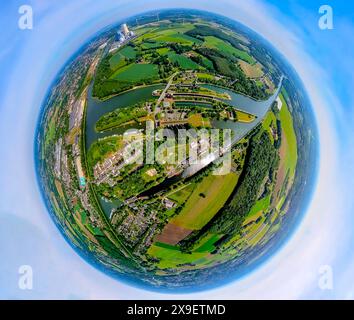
{"type": "Point", "coordinates": [207, 245]}
{"type": "Point", "coordinates": [260, 205]}
{"type": "Point", "coordinates": [118, 60]}
{"type": "Point", "coordinates": [184, 62]}
{"type": "Point", "coordinates": [128, 52]}
{"type": "Point", "coordinates": [177, 38]}
{"type": "Point", "coordinates": [288, 128]}
{"type": "Point", "coordinates": [218, 44]}
{"type": "Point", "coordinates": [136, 72]}
{"type": "Point", "coordinates": [163, 51]}
{"type": "Point", "coordinates": [207, 63]}
{"type": "Point", "coordinates": [268, 120]}
{"type": "Point", "coordinates": [151, 45]}
{"type": "Point", "coordinates": [204, 76]}
{"type": "Point", "coordinates": [172, 35]}
{"type": "Point", "coordinates": [198, 209]}
{"type": "Point", "coordinates": [171, 258]}
{"type": "Point", "coordinates": [100, 149]}
{"type": "Point", "coordinates": [119, 117]}
{"type": "Point", "coordinates": [181, 194]}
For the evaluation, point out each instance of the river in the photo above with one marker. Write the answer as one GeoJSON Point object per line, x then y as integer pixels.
{"type": "Point", "coordinates": [96, 109]}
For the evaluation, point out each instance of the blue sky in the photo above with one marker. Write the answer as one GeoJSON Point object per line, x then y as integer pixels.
{"type": "Point", "coordinates": [29, 61]}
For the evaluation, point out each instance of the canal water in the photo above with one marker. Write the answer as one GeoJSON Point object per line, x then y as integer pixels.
{"type": "Point", "coordinates": [96, 109]}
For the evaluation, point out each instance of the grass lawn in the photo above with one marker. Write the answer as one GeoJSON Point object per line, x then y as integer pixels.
{"type": "Point", "coordinates": [199, 210]}
{"type": "Point", "coordinates": [136, 72]}
{"type": "Point", "coordinates": [223, 46]}
{"type": "Point", "coordinates": [141, 30]}
{"type": "Point", "coordinates": [244, 117]}
{"type": "Point", "coordinates": [177, 38]}
{"type": "Point", "coordinates": [175, 35]}
{"type": "Point", "coordinates": [149, 174]}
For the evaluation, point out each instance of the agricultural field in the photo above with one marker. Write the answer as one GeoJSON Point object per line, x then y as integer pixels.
{"type": "Point", "coordinates": [136, 73]}
{"type": "Point", "coordinates": [251, 70]}
{"type": "Point", "coordinates": [183, 62]}
{"type": "Point", "coordinates": [289, 133]}
{"type": "Point", "coordinates": [203, 203]}
{"type": "Point", "coordinates": [259, 207]}
{"type": "Point", "coordinates": [216, 43]}
{"type": "Point", "coordinates": [172, 257]}
{"type": "Point", "coordinates": [157, 52]}
{"type": "Point", "coordinates": [181, 194]}
{"type": "Point", "coordinates": [119, 59]}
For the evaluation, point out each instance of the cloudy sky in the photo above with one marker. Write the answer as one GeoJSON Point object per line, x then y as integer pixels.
{"type": "Point", "coordinates": [29, 61]}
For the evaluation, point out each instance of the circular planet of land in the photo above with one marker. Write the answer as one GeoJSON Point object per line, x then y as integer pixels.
{"type": "Point", "coordinates": [177, 150]}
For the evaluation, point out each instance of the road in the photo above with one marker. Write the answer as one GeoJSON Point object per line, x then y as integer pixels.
{"type": "Point", "coordinates": [163, 94]}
